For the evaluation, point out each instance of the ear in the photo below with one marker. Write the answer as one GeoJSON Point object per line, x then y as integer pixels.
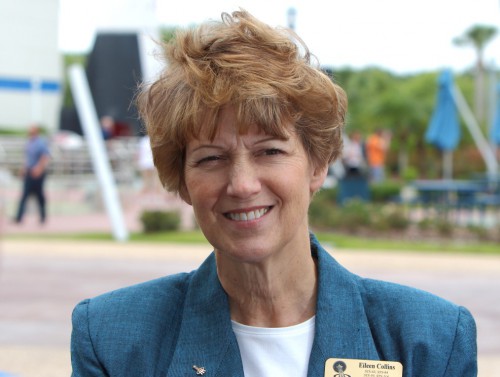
{"type": "Point", "coordinates": [318, 178]}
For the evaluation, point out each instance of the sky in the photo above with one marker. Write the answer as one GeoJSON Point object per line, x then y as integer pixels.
{"type": "Point", "coordinates": [401, 36]}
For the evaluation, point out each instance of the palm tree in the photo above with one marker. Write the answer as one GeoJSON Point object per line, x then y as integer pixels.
{"type": "Point", "coordinates": [478, 37]}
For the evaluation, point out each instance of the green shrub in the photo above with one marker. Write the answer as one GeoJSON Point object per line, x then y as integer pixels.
{"type": "Point", "coordinates": [352, 216]}
{"type": "Point", "coordinates": [481, 232]}
{"type": "Point", "coordinates": [323, 207]}
{"type": "Point", "coordinates": [356, 214]}
{"type": "Point", "coordinates": [160, 221]}
{"type": "Point", "coordinates": [327, 194]}
{"type": "Point", "coordinates": [444, 227]}
{"type": "Point", "coordinates": [425, 224]}
{"type": "Point", "coordinates": [390, 217]}
{"type": "Point", "coordinates": [409, 174]}
{"type": "Point", "coordinates": [384, 192]}
{"type": "Point", "coordinates": [325, 213]}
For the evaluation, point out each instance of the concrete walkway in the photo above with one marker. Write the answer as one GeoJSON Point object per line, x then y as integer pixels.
{"type": "Point", "coordinates": [41, 281]}
{"type": "Point", "coordinates": [80, 210]}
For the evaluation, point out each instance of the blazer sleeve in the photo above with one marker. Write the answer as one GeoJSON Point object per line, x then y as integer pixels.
{"type": "Point", "coordinates": [463, 357]}
{"type": "Point", "coordinates": [83, 358]}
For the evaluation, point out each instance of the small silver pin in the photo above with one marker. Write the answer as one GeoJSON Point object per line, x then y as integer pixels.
{"type": "Point", "coordinates": [200, 371]}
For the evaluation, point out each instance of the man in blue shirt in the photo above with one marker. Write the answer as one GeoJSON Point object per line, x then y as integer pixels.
{"type": "Point", "coordinates": [37, 158]}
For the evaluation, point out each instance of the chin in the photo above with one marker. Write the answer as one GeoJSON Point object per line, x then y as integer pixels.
{"type": "Point", "coordinates": [244, 254]}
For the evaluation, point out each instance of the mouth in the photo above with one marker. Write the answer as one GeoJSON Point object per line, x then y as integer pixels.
{"type": "Point", "coordinates": [248, 215]}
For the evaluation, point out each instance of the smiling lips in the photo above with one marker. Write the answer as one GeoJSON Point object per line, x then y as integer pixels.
{"type": "Point", "coordinates": [247, 216]}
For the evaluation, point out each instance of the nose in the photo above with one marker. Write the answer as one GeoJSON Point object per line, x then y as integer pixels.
{"type": "Point", "coordinates": [244, 180]}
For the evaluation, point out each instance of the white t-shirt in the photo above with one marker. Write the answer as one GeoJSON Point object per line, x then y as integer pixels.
{"type": "Point", "coordinates": [275, 352]}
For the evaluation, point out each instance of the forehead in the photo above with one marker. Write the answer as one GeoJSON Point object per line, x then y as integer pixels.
{"type": "Point", "coordinates": [228, 136]}
{"type": "Point", "coordinates": [229, 121]}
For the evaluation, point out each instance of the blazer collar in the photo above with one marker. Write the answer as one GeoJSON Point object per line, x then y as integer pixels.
{"type": "Point", "coordinates": [341, 328]}
{"type": "Point", "coordinates": [206, 338]}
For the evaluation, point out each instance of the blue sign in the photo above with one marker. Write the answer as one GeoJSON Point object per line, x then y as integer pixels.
{"type": "Point", "coordinates": [7, 83]}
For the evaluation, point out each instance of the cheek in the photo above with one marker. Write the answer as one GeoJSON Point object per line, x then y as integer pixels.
{"type": "Point", "coordinates": [202, 191]}
{"type": "Point", "coordinates": [295, 178]}
{"type": "Point", "coordinates": [201, 203]}
{"type": "Point", "coordinates": [190, 189]}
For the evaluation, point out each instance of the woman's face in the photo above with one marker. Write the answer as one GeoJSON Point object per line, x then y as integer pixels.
{"type": "Point", "coordinates": [251, 192]}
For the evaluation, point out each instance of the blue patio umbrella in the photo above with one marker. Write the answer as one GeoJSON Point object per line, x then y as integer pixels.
{"type": "Point", "coordinates": [444, 129]}
{"type": "Point", "coordinates": [495, 126]}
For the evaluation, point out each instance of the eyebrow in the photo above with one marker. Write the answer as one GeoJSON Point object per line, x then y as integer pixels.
{"type": "Point", "coordinates": [206, 146]}
{"type": "Point", "coordinates": [216, 146]}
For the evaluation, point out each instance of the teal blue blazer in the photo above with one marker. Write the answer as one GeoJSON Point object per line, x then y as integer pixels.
{"type": "Point", "coordinates": [165, 326]}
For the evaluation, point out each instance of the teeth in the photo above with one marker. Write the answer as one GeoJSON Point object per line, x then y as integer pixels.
{"type": "Point", "coordinates": [247, 216]}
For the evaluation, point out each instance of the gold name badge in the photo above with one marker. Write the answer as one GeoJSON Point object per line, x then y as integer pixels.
{"type": "Point", "coordinates": [362, 368]}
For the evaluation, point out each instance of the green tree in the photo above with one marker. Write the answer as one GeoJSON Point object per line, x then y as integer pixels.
{"type": "Point", "coordinates": [69, 60]}
{"type": "Point", "coordinates": [478, 37]}
{"type": "Point", "coordinates": [404, 105]}
{"type": "Point", "coordinates": [167, 33]}
{"type": "Point", "coordinates": [405, 109]}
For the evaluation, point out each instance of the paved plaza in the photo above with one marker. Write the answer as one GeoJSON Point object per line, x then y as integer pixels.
{"type": "Point", "coordinates": [42, 280]}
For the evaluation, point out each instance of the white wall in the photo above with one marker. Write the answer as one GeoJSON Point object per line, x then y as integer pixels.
{"type": "Point", "coordinates": [30, 63]}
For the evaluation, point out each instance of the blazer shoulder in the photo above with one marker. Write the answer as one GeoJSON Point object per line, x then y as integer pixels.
{"type": "Point", "coordinates": [375, 291]}
{"type": "Point", "coordinates": [167, 287]}
{"type": "Point", "coordinates": [420, 325]}
{"type": "Point", "coordinates": [136, 325]}
{"type": "Point", "coordinates": [155, 294]}
{"type": "Point", "coordinates": [393, 305]}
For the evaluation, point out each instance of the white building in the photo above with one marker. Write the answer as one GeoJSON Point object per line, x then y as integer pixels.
{"type": "Point", "coordinates": [30, 64]}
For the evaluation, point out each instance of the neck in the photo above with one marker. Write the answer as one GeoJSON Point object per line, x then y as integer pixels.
{"type": "Point", "coordinates": [271, 293]}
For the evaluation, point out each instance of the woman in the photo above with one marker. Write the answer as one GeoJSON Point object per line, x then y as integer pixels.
{"type": "Point", "coordinates": [243, 128]}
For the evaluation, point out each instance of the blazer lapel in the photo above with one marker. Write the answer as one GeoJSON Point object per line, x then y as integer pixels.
{"type": "Point", "coordinates": [206, 338]}
{"type": "Point", "coordinates": [342, 329]}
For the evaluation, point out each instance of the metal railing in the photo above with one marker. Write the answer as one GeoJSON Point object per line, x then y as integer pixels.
{"type": "Point", "coordinates": [73, 165]}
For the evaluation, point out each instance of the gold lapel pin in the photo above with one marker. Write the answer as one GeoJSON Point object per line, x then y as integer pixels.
{"type": "Point", "coordinates": [200, 371]}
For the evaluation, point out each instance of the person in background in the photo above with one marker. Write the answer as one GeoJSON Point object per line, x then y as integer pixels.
{"type": "Point", "coordinates": [243, 126]}
{"type": "Point", "coordinates": [353, 184]}
{"type": "Point", "coordinates": [145, 164]}
{"type": "Point", "coordinates": [107, 127]}
{"type": "Point", "coordinates": [34, 171]}
{"type": "Point", "coordinates": [352, 154]}
{"type": "Point", "coordinates": [377, 146]}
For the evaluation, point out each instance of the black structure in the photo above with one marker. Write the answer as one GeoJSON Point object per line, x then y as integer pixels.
{"type": "Point", "coordinates": [113, 71]}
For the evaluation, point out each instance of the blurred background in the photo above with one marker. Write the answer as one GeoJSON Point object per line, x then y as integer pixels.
{"type": "Point", "coordinates": [421, 75]}
{"type": "Point", "coordinates": [386, 54]}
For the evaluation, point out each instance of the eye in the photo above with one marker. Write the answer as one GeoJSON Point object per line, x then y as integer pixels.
{"type": "Point", "coordinates": [272, 151]}
{"type": "Point", "coordinates": [208, 159]}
